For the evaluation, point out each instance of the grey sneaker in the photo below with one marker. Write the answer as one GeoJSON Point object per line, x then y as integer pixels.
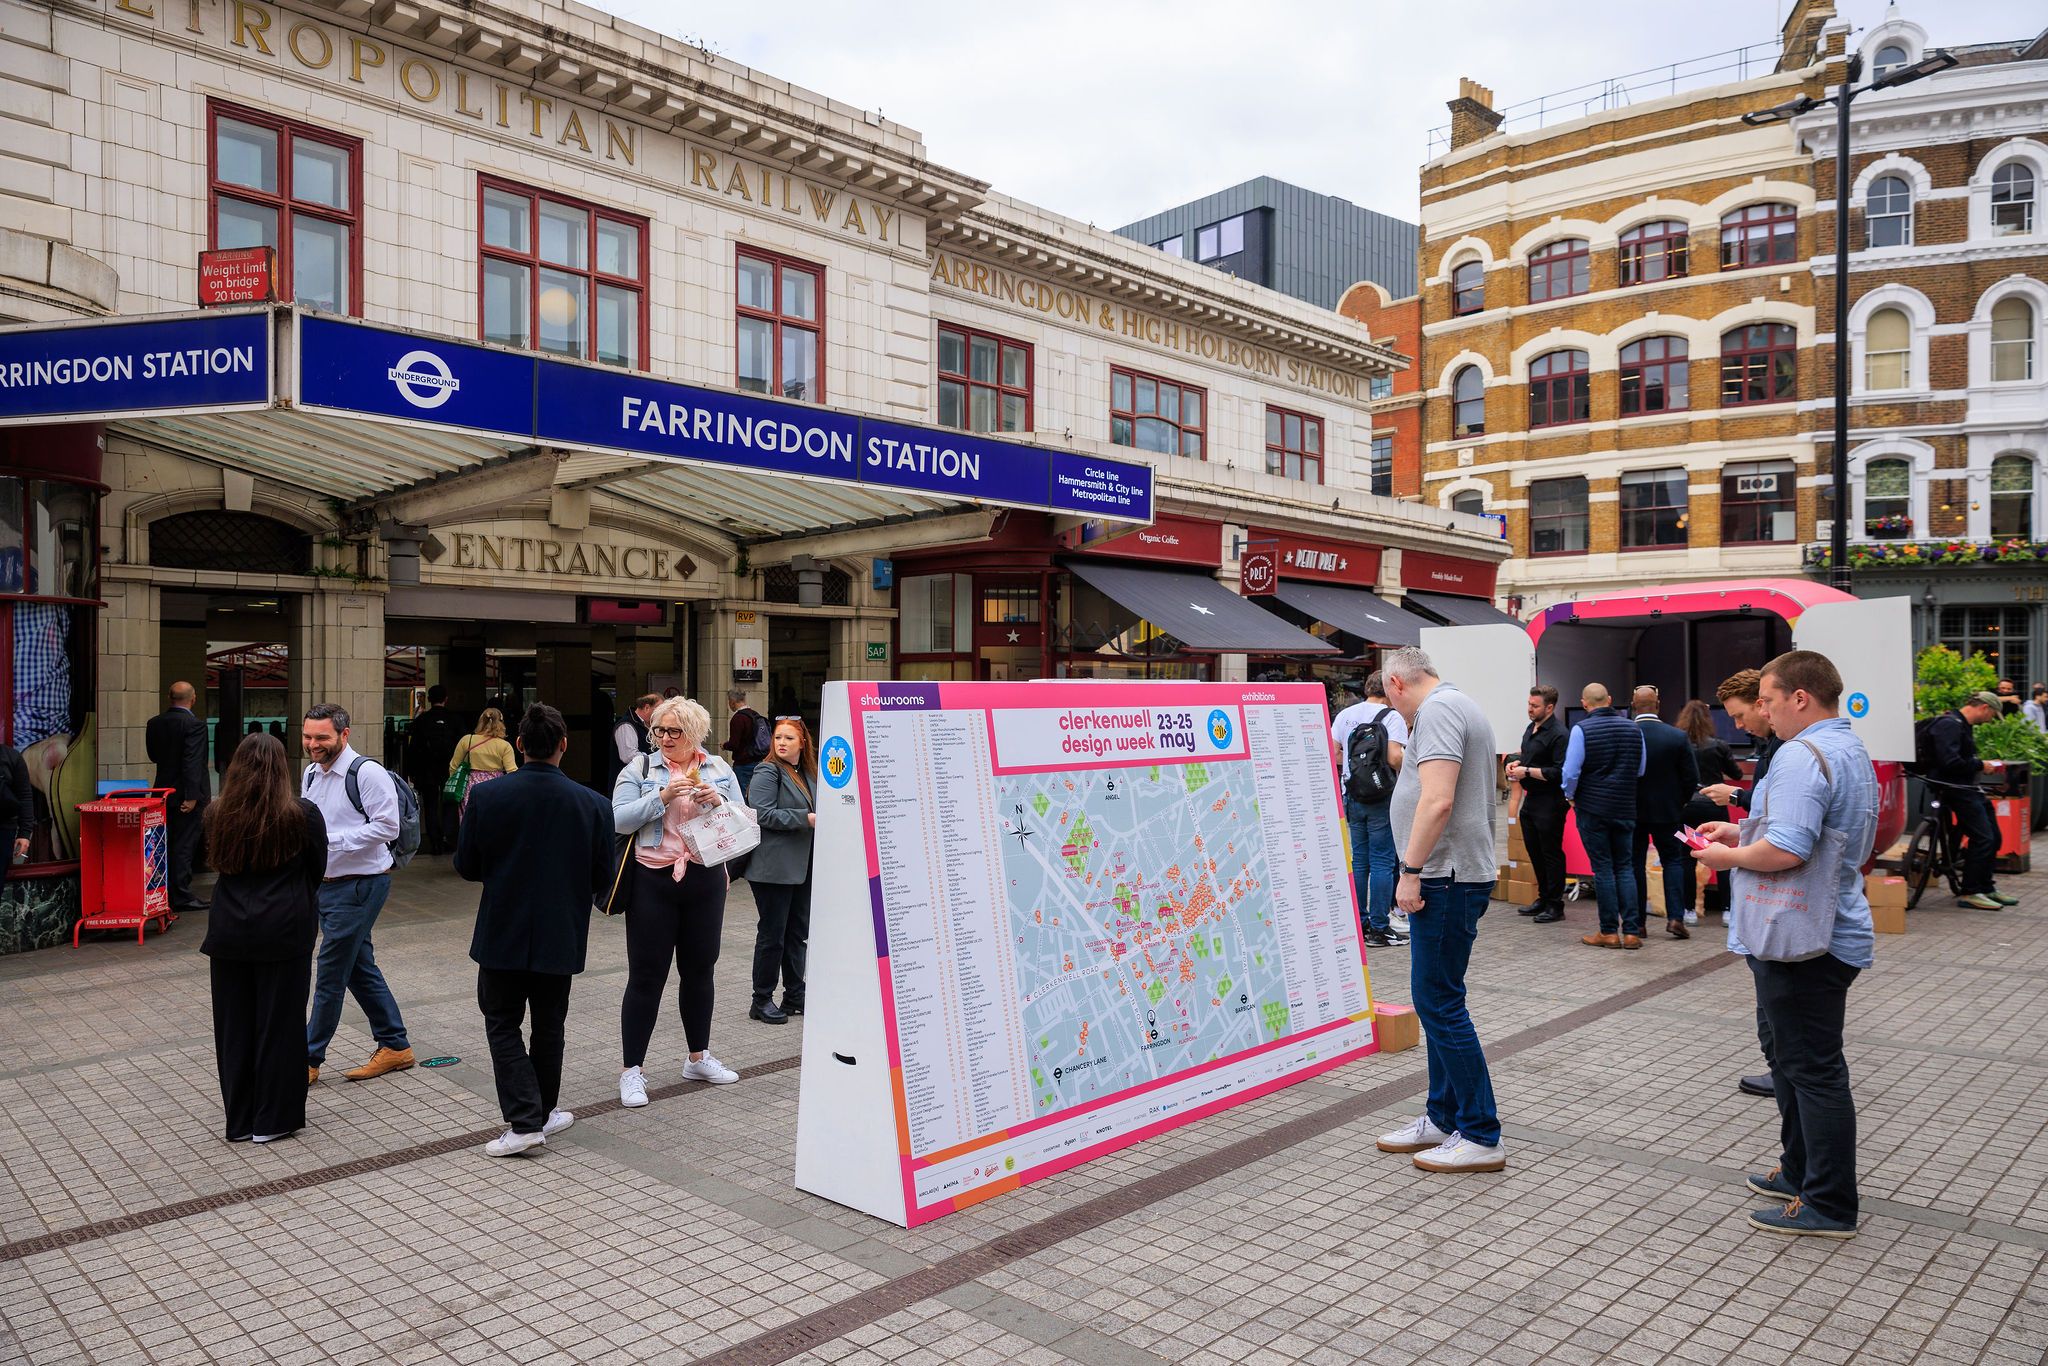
{"type": "Point", "coordinates": [1773, 1183]}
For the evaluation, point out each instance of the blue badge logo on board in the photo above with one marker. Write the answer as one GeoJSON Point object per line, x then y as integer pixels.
{"type": "Point", "coordinates": [1219, 728]}
{"type": "Point", "coordinates": [837, 761]}
{"type": "Point", "coordinates": [1859, 705]}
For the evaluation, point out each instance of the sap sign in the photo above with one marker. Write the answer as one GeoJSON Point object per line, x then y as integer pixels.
{"type": "Point", "coordinates": [83, 372]}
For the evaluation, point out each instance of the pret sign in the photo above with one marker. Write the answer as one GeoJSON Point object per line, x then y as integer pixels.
{"type": "Point", "coordinates": [237, 275]}
{"type": "Point", "coordinates": [1258, 573]}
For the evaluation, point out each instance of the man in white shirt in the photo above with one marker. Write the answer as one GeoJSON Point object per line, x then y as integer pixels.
{"type": "Point", "coordinates": [1372, 833]}
{"type": "Point", "coordinates": [630, 738]}
{"type": "Point", "coordinates": [2036, 707]}
{"type": "Point", "coordinates": [360, 827]}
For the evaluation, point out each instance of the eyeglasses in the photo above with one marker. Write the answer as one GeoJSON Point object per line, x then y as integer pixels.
{"type": "Point", "coordinates": [665, 733]}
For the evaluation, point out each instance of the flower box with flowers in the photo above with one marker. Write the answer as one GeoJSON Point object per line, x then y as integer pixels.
{"type": "Point", "coordinates": [1888, 528]}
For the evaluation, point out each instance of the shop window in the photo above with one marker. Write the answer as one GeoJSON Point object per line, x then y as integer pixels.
{"type": "Point", "coordinates": [2012, 200]}
{"type": "Point", "coordinates": [1219, 240]}
{"type": "Point", "coordinates": [933, 614]}
{"type": "Point", "coordinates": [2012, 497]}
{"type": "Point", "coordinates": [780, 583]}
{"type": "Point", "coordinates": [2012, 339]}
{"type": "Point", "coordinates": [1653, 252]}
{"type": "Point", "coordinates": [781, 324]}
{"type": "Point", "coordinates": [1294, 445]}
{"type": "Point", "coordinates": [984, 382]}
{"type": "Point", "coordinates": [562, 276]}
{"type": "Point", "coordinates": [1888, 213]}
{"type": "Point", "coordinates": [1383, 466]}
{"type": "Point", "coordinates": [1887, 349]}
{"type": "Point", "coordinates": [238, 542]}
{"type": "Point", "coordinates": [1760, 235]}
{"type": "Point", "coordinates": [1759, 502]}
{"type": "Point", "coordinates": [1759, 364]}
{"type": "Point", "coordinates": [1468, 288]}
{"type": "Point", "coordinates": [49, 540]}
{"type": "Point", "coordinates": [1888, 499]}
{"type": "Point", "coordinates": [1655, 376]}
{"type": "Point", "coordinates": [1157, 415]}
{"type": "Point", "coordinates": [1559, 270]}
{"type": "Point", "coordinates": [1998, 633]}
{"type": "Point", "coordinates": [1559, 388]}
{"type": "Point", "coordinates": [1468, 402]}
{"type": "Point", "coordinates": [1653, 509]}
{"type": "Point", "coordinates": [1557, 517]}
{"type": "Point", "coordinates": [294, 188]}
{"type": "Point", "coordinates": [1009, 604]}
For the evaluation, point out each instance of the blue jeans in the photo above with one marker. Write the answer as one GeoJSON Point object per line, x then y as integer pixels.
{"type": "Point", "coordinates": [745, 774]}
{"type": "Point", "coordinates": [1610, 848]}
{"type": "Point", "coordinates": [1439, 948]}
{"type": "Point", "coordinates": [1372, 859]}
{"type": "Point", "coordinates": [348, 908]}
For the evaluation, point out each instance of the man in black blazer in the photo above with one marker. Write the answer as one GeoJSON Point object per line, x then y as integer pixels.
{"type": "Point", "coordinates": [542, 845]}
{"type": "Point", "coordinates": [176, 742]}
{"type": "Point", "coordinates": [1670, 777]}
{"type": "Point", "coordinates": [1539, 768]}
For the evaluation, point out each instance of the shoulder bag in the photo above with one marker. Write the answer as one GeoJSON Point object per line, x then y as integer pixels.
{"type": "Point", "coordinates": [1788, 916]}
{"type": "Point", "coordinates": [457, 786]}
{"type": "Point", "coordinates": [614, 899]}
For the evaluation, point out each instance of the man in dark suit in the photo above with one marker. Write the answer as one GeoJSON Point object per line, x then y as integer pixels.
{"type": "Point", "coordinates": [1539, 768]}
{"type": "Point", "coordinates": [1670, 777]}
{"type": "Point", "coordinates": [430, 741]}
{"type": "Point", "coordinates": [176, 742]}
{"type": "Point", "coordinates": [542, 845]}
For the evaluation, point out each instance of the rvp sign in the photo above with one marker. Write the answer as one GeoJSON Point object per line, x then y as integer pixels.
{"type": "Point", "coordinates": [1258, 573]}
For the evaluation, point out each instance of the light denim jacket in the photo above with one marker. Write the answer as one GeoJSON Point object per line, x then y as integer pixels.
{"type": "Point", "coordinates": [636, 795]}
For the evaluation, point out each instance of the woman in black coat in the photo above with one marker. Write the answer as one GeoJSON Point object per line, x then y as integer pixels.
{"type": "Point", "coordinates": [784, 794]}
{"type": "Point", "coordinates": [1716, 763]}
{"type": "Point", "coordinates": [270, 848]}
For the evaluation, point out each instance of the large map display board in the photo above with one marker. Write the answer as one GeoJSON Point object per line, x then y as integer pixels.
{"type": "Point", "coordinates": [1051, 919]}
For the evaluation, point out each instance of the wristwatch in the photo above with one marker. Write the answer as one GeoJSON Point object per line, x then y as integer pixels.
{"type": "Point", "coordinates": [1406, 871]}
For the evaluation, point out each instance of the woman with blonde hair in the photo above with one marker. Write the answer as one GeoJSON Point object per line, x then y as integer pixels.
{"type": "Point", "coordinates": [486, 751]}
{"type": "Point", "coordinates": [675, 906]}
{"type": "Point", "coordinates": [784, 794]}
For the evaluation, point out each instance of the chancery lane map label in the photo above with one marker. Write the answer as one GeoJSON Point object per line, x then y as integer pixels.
{"type": "Point", "coordinates": [1099, 910]}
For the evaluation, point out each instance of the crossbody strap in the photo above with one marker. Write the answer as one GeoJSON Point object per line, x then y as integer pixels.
{"type": "Point", "coordinates": [1826, 774]}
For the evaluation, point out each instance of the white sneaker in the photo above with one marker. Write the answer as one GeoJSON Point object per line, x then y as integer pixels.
{"type": "Point", "coordinates": [1692, 917]}
{"type": "Point", "coordinates": [510, 1144]}
{"type": "Point", "coordinates": [1460, 1154]}
{"type": "Point", "coordinates": [1398, 920]}
{"type": "Point", "coordinates": [1413, 1137]}
{"type": "Point", "coordinates": [708, 1068]}
{"type": "Point", "coordinates": [632, 1088]}
{"type": "Point", "coordinates": [558, 1120]}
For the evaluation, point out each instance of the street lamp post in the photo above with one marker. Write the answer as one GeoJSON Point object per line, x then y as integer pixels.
{"type": "Point", "coordinates": [1938, 60]}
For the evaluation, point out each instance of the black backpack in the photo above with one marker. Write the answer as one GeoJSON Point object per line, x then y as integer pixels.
{"type": "Point", "coordinates": [1372, 771]}
{"type": "Point", "coordinates": [1923, 744]}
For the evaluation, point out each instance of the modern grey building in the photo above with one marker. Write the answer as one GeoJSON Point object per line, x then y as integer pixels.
{"type": "Point", "coordinates": [1312, 246]}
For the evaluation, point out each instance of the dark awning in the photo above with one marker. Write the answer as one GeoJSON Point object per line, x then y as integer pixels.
{"type": "Point", "coordinates": [1354, 611]}
{"type": "Point", "coordinates": [1453, 610]}
{"type": "Point", "coordinates": [1195, 609]}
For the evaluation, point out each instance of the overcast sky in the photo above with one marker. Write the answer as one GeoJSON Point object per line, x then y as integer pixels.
{"type": "Point", "coordinates": [1111, 110]}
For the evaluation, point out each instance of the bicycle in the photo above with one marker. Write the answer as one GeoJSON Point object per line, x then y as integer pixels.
{"type": "Point", "coordinates": [1935, 846]}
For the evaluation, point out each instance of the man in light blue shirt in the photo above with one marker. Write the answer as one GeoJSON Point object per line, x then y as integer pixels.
{"type": "Point", "coordinates": [1821, 780]}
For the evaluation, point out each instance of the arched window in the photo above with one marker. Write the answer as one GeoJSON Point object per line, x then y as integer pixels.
{"type": "Point", "coordinates": [1888, 213]}
{"type": "Point", "coordinates": [1468, 402]}
{"type": "Point", "coordinates": [1559, 388]}
{"type": "Point", "coordinates": [1468, 288]}
{"type": "Point", "coordinates": [1888, 499]}
{"type": "Point", "coordinates": [1890, 58]}
{"type": "Point", "coordinates": [1654, 251]}
{"type": "Point", "coordinates": [1653, 376]}
{"type": "Point", "coordinates": [2012, 339]}
{"type": "Point", "coordinates": [1559, 270]}
{"type": "Point", "coordinates": [2012, 199]}
{"type": "Point", "coordinates": [2012, 496]}
{"type": "Point", "coordinates": [1887, 349]}
{"type": "Point", "coordinates": [1471, 500]}
{"type": "Point", "coordinates": [1760, 235]}
{"type": "Point", "coordinates": [1759, 364]}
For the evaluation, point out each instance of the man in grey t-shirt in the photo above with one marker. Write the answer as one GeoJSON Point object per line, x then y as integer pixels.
{"type": "Point", "coordinates": [1443, 830]}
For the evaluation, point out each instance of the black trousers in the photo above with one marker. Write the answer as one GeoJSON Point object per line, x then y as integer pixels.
{"type": "Point", "coordinates": [669, 919]}
{"type": "Point", "coordinates": [1543, 832]}
{"type": "Point", "coordinates": [437, 817]}
{"type": "Point", "coordinates": [259, 1044]}
{"type": "Point", "coordinates": [529, 1077]}
{"type": "Point", "coordinates": [1980, 832]}
{"type": "Point", "coordinates": [1799, 1013]}
{"type": "Point", "coordinates": [780, 942]}
{"type": "Point", "coordinates": [186, 828]}
{"type": "Point", "coordinates": [1677, 860]}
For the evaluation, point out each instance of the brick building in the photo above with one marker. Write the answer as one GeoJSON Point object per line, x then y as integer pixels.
{"type": "Point", "coordinates": [1396, 400]}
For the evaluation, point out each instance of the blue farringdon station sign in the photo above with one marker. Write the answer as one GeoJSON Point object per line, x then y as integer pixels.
{"type": "Point", "coordinates": [212, 363]}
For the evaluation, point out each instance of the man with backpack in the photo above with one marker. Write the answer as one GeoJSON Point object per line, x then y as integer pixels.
{"type": "Point", "coordinates": [1371, 737]}
{"type": "Point", "coordinates": [367, 836]}
{"type": "Point", "coordinates": [1946, 751]}
{"type": "Point", "coordinates": [749, 738]}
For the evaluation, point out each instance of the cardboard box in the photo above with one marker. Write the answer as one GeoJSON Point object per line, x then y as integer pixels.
{"type": "Point", "coordinates": [1889, 892]}
{"type": "Point", "coordinates": [1888, 919]}
{"type": "Point", "coordinates": [1396, 1026]}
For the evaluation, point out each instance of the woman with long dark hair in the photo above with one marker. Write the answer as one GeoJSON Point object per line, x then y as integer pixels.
{"type": "Point", "coordinates": [1716, 764]}
{"type": "Point", "coordinates": [270, 848]}
{"type": "Point", "coordinates": [784, 794]}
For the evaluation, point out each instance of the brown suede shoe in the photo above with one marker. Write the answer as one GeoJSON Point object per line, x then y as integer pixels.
{"type": "Point", "coordinates": [1601, 941]}
{"type": "Point", "coordinates": [1676, 929]}
{"type": "Point", "coordinates": [312, 1075]}
{"type": "Point", "coordinates": [1631, 941]}
{"type": "Point", "coordinates": [382, 1061]}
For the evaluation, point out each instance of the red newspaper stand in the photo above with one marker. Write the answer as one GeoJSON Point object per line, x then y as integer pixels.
{"type": "Point", "coordinates": [124, 858]}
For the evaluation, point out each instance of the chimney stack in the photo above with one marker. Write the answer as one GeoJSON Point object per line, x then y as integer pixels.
{"type": "Point", "coordinates": [1472, 114]}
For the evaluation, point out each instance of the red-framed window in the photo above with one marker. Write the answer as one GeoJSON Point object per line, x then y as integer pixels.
{"type": "Point", "coordinates": [561, 275]}
{"type": "Point", "coordinates": [1560, 388]}
{"type": "Point", "coordinates": [1559, 270]}
{"type": "Point", "coordinates": [984, 381]}
{"type": "Point", "coordinates": [1468, 288]}
{"type": "Point", "coordinates": [1654, 376]}
{"type": "Point", "coordinates": [1759, 364]}
{"type": "Point", "coordinates": [1294, 445]}
{"type": "Point", "coordinates": [1160, 415]}
{"type": "Point", "coordinates": [275, 183]}
{"type": "Point", "coordinates": [1653, 252]}
{"type": "Point", "coordinates": [1760, 235]}
{"type": "Point", "coordinates": [781, 325]}
{"type": "Point", "coordinates": [1558, 517]}
{"type": "Point", "coordinates": [1655, 507]}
